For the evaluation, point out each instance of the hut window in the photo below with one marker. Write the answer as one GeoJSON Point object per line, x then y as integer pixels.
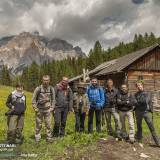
{"type": "Point", "coordinates": [140, 78]}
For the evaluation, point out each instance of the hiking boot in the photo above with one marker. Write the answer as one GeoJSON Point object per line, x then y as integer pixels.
{"type": "Point", "coordinates": [81, 129]}
{"type": "Point", "coordinates": [37, 137]}
{"type": "Point", "coordinates": [50, 140]}
{"type": "Point", "coordinates": [125, 136]}
{"type": "Point", "coordinates": [119, 136]}
{"type": "Point", "coordinates": [18, 141]}
{"type": "Point", "coordinates": [110, 133]}
{"type": "Point", "coordinates": [19, 138]}
{"type": "Point", "coordinates": [37, 140]}
{"type": "Point", "coordinates": [139, 140]}
{"type": "Point", "coordinates": [11, 141]}
{"type": "Point", "coordinates": [132, 141]}
{"type": "Point", "coordinates": [11, 137]}
{"type": "Point", "coordinates": [158, 145]}
{"type": "Point", "coordinates": [62, 135]}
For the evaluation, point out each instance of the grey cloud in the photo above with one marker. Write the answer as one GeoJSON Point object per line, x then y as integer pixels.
{"type": "Point", "coordinates": [29, 3]}
{"type": "Point", "coordinates": [89, 26]}
{"type": "Point", "coordinates": [138, 1]}
{"type": "Point", "coordinates": [157, 2]}
{"type": "Point", "coordinates": [80, 22]}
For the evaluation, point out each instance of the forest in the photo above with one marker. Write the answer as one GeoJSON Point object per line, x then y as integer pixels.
{"type": "Point", "coordinates": [32, 75]}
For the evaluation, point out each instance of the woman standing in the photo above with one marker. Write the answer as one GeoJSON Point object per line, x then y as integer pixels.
{"type": "Point", "coordinates": [16, 102]}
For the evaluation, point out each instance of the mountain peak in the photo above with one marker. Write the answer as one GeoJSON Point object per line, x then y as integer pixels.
{"type": "Point", "coordinates": [23, 49]}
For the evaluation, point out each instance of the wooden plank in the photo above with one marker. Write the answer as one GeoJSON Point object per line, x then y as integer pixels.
{"type": "Point", "coordinates": [151, 61]}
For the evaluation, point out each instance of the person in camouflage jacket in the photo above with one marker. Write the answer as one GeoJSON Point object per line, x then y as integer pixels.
{"type": "Point", "coordinates": [43, 103]}
{"type": "Point", "coordinates": [80, 107]}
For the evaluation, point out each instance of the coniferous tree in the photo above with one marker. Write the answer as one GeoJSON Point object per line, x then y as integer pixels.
{"type": "Point", "coordinates": [5, 76]}
{"type": "Point", "coordinates": [33, 76]}
{"type": "Point", "coordinates": [73, 66]}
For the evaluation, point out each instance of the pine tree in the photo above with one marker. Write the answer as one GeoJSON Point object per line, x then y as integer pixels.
{"type": "Point", "coordinates": [152, 39]}
{"type": "Point", "coordinates": [95, 56]}
{"type": "Point", "coordinates": [5, 76]}
{"type": "Point", "coordinates": [73, 66]}
{"type": "Point", "coordinates": [33, 76]}
{"type": "Point", "coordinates": [24, 78]}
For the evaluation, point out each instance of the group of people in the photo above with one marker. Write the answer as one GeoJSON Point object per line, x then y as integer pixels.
{"type": "Point", "coordinates": [47, 102]}
{"type": "Point", "coordinates": [58, 101]}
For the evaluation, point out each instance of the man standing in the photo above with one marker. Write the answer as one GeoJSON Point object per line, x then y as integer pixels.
{"type": "Point", "coordinates": [16, 102]}
{"type": "Point", "coordinates": [80, 107]}
{"type": "Point", "coordinates": [96, 103]}
{"type": "Point", "coordinates": [143, 106]}
{"type": "Point", "coordinates": [43, 103]}
{"type": "Point", "coordinates": [110, 108]}
{"type": "Point", "coordinates": [125, 106]}
{"type": "Point", "coordinates": [64, 104]}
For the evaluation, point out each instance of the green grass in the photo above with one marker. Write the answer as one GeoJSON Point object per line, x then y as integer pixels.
{"type": "Point", "coordinates": [44, 150]}
{"type": "Point", "coordinates": [72, 141]}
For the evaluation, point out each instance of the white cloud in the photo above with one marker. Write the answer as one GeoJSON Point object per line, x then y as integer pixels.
{"type": "Point", "coordinates": [81, 22]}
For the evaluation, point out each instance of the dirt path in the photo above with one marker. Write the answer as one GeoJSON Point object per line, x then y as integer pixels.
{"type": "Point", "coordinates": [119, 150]}
{"type": "Point", "coordinates": [110, 149]}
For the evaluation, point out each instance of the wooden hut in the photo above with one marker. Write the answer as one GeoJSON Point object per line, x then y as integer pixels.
{"type": "Point", "coordinates": [140, 65]}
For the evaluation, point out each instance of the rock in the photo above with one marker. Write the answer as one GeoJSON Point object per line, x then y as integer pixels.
{"type": "Point", "coordinates": [141, 145]}
{"type": "Point", "coordinates": [21, 50]}
{"type": "Point", "coordinates": [134, 149]}
{"type": "Point", "coordinates": [79, 51]}
{"type": "Point", "coordinates": [5, 40]}
{"type": "Point", "coordinates": [142, 155]}
{"type": "Point", "coordinates": [104, 139]}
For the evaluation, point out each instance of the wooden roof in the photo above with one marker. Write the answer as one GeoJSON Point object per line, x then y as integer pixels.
{"type": "Point", "coordinates": [123, 62]}
{"type": "Point", "coordinates": [117, 65]}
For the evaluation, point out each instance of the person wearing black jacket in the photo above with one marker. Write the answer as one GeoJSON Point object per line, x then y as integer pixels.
{"type": "Point", "coordinates": [125, 107]}
{"type": "Point", "coordinates": [16, 102]}
{"type": "Point", "coordinates": [143, 105]}
{"type": "Point", "coordinates": [110, 109]}
{"type": "Point", "coordinates": [63, 105]}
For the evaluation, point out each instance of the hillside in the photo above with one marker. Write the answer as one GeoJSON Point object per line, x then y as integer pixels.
{"type": "Point", "coordinates": [59, 148]}
{"type": "Point", "coordinates": [75, 146]}
{"type": "Point", "coordinates": [21, 50]}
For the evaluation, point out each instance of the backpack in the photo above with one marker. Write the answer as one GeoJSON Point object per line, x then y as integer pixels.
{"type": "Point", "coordinates": [40, 91]}
{"type": "Point", "coordinates": [20, 106]}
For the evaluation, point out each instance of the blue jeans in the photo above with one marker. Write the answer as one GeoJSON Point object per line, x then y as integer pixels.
{"type": "Point", "coordinates": [98, 113]}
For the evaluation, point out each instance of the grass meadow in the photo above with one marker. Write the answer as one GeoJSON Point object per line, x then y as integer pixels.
{"type": "Point", "coordinates": [76, 143]}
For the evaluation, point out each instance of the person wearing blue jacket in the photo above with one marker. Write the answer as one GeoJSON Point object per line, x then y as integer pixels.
{"type": "Point", "coordinates": [96, 103]}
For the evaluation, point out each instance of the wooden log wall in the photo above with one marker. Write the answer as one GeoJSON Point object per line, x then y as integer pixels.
{"type": "Point", "coordinates": [117, 78]}
{"type": "Point", "coordinates": [149, 62]}
{"type": "Point", "coordinates": [151, 83]}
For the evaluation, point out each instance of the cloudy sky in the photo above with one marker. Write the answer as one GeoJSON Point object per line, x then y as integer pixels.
{"type": "Point", "coordinates": [81, 22]}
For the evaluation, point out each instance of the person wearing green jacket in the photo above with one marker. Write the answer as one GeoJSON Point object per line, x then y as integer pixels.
{"type": "Point", "coordinates": [80, 107]}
